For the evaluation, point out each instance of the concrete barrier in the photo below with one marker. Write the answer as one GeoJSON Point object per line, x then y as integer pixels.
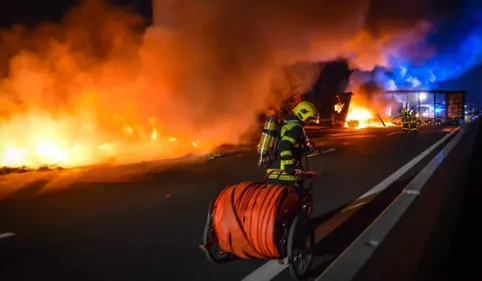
{"type": "Point", "coordinates": [401, 243]}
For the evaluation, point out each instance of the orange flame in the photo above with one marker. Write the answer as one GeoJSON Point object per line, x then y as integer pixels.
{"type": "Point", "coordinates": [362, 117]}
{"type": "Point", "coordinates": [34, 140]}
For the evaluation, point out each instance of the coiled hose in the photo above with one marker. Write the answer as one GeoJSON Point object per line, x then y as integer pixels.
{"type": "Point", "coordinates": [246, 218]}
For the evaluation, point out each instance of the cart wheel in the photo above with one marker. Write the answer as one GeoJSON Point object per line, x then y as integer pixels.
{"type": "Point", "coordinates": [210, 244]}
{"type": "Point", "coordinates": [301, 240]}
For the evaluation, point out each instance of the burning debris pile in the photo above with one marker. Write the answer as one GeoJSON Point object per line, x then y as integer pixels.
{"type": "Point", "coordinates": [359, 117]}
{"type": "Point", "coordinates": [49, 142]}
{"type": "Point", "coordinates": [78, 94]}
{"type": "Point", "coordinates": [365, 110]}
{"type": "Point", "coordinates": [24, 169]}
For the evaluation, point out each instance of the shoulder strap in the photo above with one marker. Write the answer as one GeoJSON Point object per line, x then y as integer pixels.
{"type": "Point", "coordinates": [295, 123]}
{"type": "Point", "coordinates": [298, 123]}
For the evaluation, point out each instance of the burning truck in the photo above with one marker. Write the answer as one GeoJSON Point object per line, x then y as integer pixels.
{"type": "Point", "coordinates": [351, 111]}
{"type": "Point", "coordinates": [434, 107]}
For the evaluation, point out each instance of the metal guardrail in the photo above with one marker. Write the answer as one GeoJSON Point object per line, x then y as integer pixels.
{"type": "Point", "coordinates": [351, 261]}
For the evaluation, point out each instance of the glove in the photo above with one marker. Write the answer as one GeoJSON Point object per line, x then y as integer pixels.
{"type": "Point", "coordinates": [290, 170]}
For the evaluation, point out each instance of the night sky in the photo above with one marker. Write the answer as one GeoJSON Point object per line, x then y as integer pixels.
{"type": "Point", "coordinates": [30, 12]}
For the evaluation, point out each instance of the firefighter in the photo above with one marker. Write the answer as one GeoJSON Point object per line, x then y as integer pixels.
{"type": "Point", "coordinates": [293, 144]}
{"type": "Point", "coordinates": [413, 120]}
{"type": "Point", "coordinates": [405, 119]}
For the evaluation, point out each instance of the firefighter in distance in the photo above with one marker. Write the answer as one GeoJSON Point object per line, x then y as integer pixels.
{"type": "Point", "coordinates": [405, 116]}
{"type": "Point", "coordinates": [413, 120]}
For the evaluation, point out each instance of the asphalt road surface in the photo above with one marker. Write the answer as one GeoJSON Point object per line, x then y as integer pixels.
{"type": "Point", "coordinates": [108, 224]}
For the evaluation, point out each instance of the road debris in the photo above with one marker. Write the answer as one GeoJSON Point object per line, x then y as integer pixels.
{"type": "Point", "coordinates": [212, 156]}
{"type": "Point", "coordinates": [24, 169]}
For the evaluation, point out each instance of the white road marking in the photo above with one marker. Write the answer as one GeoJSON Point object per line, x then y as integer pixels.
{"type": "Point", "coordinates": [359, 136]}
{"type": "Point", "coordinates": [266, 272]}
{"type": "Point", "coordinates": [313, 154]}
{"type": "Point", "coordinates": [357, 205]}
{"type": "Point", "coordinates": [403, 170]}
{"type": "Point", "coordinates": [394, 133]}
{"type": "Point", "coordinates": [6, 235]}
{"type": "Point", "coordinates": [322, 152]}
{"type": "Point", "coordinates": [272, 268]}
{"type": "Point", "coordinates": [328, 150]}
{"type": "Point", "coordinates": [352, 260]}
{"type": "Point", "coordinates": [339, 134]}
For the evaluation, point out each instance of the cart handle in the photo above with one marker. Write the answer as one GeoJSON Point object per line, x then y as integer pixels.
{"type": "Point", "coordinates": [297, 173]}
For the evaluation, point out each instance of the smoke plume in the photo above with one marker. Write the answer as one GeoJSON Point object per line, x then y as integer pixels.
{"type": "Point", "coordinates": [202, 70]}
{"type": "Point", "coordinates": [230, 54]}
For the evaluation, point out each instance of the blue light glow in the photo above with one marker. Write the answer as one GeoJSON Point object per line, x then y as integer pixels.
{"type": "Point", "coordinates": [459, 49]}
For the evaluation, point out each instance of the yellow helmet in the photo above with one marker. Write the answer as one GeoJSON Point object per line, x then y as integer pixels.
{"type": "Point", "coordinates": [307, 112]}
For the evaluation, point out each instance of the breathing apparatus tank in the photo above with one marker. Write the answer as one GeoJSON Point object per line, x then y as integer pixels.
{"type": "Point", "coordinates": [269, 139]}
